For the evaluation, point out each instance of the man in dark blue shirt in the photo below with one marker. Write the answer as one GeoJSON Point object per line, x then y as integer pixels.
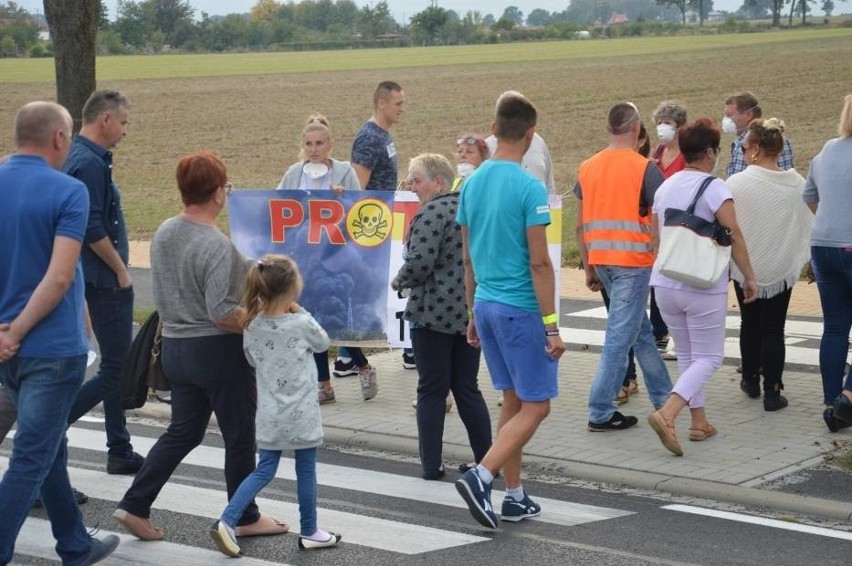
{"type": "Point", "coordinates": [109, 289]}
{"type": "Point", "coordinates": [375, 162]}
{"type": "Point", "coordinates": [373, 152]}
{"type": "Point", "coordinates": [42, 340]}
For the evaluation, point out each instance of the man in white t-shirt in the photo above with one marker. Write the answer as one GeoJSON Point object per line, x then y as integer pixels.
{"type": "Point", "coordinates": [536, 160]}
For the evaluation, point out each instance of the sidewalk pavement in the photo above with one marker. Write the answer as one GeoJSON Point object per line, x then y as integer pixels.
{"type": "Point", "coordinates": [752, 446]}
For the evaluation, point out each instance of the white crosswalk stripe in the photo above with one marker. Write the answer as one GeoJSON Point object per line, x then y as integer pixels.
{"type": "Point", "coordinates": [796, 333]}
{"type": "Point", "coordinates": [358, 529]}
{"type": "Point", "coordinates": [35, 532]}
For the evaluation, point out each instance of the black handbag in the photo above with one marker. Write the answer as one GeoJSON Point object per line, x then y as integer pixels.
{"type": "Point", "coordinates": [143, 366]}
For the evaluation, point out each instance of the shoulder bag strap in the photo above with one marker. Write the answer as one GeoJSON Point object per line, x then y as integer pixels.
{"type": "Point", "coordinates": [704, 184]}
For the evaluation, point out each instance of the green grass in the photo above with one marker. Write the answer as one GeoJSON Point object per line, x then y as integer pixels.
{"type": "Point", "coordinates": [140, 315]}
{"type": "Point", "coordinates": [210, 65]}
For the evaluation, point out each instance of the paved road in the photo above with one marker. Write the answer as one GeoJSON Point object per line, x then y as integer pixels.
{"type": "Point", "coordinates": [387, 515]}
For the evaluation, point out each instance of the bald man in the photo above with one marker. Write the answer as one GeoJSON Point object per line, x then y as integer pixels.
{"type": "Point", "coordinates": [43, 343]}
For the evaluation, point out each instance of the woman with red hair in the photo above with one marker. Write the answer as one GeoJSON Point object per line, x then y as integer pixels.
{"type": "Point", "coordinates": [197, 277]}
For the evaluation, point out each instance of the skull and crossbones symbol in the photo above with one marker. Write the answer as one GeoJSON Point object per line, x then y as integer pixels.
{"type": "Point", "coordinates": [370, 223]}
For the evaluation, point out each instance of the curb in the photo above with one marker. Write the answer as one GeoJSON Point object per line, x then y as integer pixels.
{"type": "Point", "coordinates": [824, 509]}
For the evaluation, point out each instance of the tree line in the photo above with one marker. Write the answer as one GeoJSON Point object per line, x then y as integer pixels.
{"type": "Point", "coordinates": [158, 25]}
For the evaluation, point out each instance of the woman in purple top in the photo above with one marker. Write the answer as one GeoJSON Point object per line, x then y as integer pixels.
{"type": "Point", "coordinates": [695, 316]}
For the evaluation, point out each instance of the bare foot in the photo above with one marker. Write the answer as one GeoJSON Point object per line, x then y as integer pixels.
{"type": "Point", "coordinates": [265, 526]}
{"type": "Point", "coordinates": [137, 526]}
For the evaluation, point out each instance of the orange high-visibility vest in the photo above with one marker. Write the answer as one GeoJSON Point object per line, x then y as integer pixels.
{"type": "Point", "coordinates": [613, 231]}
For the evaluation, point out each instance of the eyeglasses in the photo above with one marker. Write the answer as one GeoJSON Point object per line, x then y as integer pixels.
{"type": "Point", "coordinates": [228, 187]}
{"type": "Point", "coordinates": [470, 141]}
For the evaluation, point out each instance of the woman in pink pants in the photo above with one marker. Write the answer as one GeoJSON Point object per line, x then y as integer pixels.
{"type": "Point", "coordinates": [696, 316]}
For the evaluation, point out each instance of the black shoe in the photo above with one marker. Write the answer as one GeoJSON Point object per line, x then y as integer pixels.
{"type": "Point", "coordinates": [432, 476]}
{"type": "Point", "coordinates": [344, 369]}
{"type": "Point", "coordinates": [101, 548]}
{"type": "Point", "coordinates": [124, 465]}
{"type": "Point", "coordinates": [78, 495]}
{"type": "Point", "coordinates": [773, 400]}
{"type": "Point", "coordinates": [843, 409]}
{"type": "Point", "coordinates": [616, 422]}
{"type": "Point", "coordinates": [832, 423]}
{"type": "Point", "coordinates": [751, 386]}
{"type": "Point", "coordinates": [408, 361]}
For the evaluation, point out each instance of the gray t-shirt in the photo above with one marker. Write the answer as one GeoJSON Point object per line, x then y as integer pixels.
{"type": "Point", "coordinates": [830, 185]}
{"type": "Point", "coordinates": [197, 277]}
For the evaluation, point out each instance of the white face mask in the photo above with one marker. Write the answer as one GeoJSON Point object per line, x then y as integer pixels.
{"type": "Point", "coordinates": [464, 169]}
{"type": "Point", "coordinates": [728, 125]}
{"type": "Point", "coordinates": [315, 170]}
{"type": "Point", "coordinates": [666, 132]}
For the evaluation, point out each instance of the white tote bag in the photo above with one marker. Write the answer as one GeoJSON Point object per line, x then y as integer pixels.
{"type": "Point", "coordinates": [693, 250]}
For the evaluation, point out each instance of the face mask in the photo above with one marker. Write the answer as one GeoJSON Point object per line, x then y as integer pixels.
{"type": "Point", "coordinates": [315, 170]}
{"type": "Point", "coordinates": [464, 169]}
{"type": "Point", "coordinates": [728, 125]}
{"type": "Point", "coordinates": [666, 132]}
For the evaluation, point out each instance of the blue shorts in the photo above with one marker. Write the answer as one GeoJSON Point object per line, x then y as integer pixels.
{"type": "Point", "coordinates": [513, 342]}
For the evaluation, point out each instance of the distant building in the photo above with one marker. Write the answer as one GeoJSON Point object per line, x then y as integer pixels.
{"type": "Point", "coordinates": [617, 18]}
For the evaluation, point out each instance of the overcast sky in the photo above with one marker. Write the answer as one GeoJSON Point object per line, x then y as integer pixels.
{"type": "Point", "coordinates": [400, 9]}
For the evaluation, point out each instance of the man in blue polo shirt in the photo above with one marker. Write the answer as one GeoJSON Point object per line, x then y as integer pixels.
{"type": "Point", "coordinates": [109, 289]}
{"type": "Point", "coordinates": [43, 343]}
{"type": "Point", "coordinates": [510, 287]}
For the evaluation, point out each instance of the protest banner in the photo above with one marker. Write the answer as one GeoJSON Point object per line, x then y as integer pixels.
{"type": "Point", "coordinates": [348, 248]}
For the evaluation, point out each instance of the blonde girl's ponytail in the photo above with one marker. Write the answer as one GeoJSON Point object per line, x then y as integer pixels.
{"type": "Point", "coordinates": [271, 277]}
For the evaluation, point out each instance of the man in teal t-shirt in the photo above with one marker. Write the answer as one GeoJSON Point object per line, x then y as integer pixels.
{"type": "Point", "coordinates": [509, 283]}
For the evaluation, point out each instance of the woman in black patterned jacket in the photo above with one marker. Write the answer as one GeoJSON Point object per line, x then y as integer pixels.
{"type": "Point", "coordinates": [434, 273]}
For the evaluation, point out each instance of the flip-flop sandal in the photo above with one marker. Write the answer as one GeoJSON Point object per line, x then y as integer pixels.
{"type": "Point", "coordinates": [623, 396]}
{"type": "Point", "coordinates": [632, 387]}
{"type": "Point", "coordinates": [265, 526]}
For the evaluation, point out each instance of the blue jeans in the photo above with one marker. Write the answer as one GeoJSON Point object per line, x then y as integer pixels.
{"type": "Point", "coordinates": [267, 465]}
{"type": "Point", "coordinates": [42, 389]}
{"type": "Point", "coordinates": [112, 320]}
{"type": "Point", "coordinates": [627, 326]}
{"type": "Point", "coordinates": [833, 271]}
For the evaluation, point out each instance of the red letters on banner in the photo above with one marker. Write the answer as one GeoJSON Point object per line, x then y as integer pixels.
{"type": "Point", "coordinates": [325, 215]}
{"type": "Point", "coordinates": [283, 214]}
